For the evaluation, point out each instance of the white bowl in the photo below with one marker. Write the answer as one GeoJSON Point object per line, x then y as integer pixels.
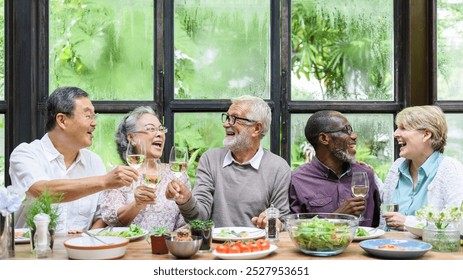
{"type": "Point", "coordinates": [88, 248]}
{"type": "Point", "coordinates": [418, 231]}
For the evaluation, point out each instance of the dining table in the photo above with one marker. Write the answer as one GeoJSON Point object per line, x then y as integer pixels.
{"type": "Point", "coordinates": [141, 250]}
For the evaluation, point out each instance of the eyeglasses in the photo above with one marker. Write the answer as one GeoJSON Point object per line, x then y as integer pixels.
{"type": "Point", "coordinates": [232, 119]}
{"type": "Point", "coordinates": [346, 129]}
{"type": "Point", "coordinates": [152, 129]}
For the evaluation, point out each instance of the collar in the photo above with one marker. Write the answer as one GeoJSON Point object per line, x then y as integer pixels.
{"type": "Point", "coordinates": [328, 172]}
{"type": "Point", "coordinates": [254, 162]}
{"type": "Point", "coordinates": [427, 167]}
{"type": "Point", "coordinates": [51, 153]}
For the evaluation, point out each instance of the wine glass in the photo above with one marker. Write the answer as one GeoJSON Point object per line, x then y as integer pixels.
{"type": "Point", "coordinates": [178, 161]}
{"type": "Point", "coordinates": [135, 153]}
{"type": "Point", "coordinates": [360, 186]}
{"type": "Point", "coordinates": [152, 173]}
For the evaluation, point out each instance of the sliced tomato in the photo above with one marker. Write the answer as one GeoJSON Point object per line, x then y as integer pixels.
{"type": "Point", "coordinates": [264, 244]}
{"type": "Point", "coordinates": [234, 249]}
{"type": "Point", "coordinates": [254, 247]}
{"type": "Point", "coordinates": [222, 248]}
{"type": "Point", "coordinates": [243, 248]}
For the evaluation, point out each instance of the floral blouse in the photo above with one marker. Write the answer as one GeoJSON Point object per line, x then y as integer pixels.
{"type": "Point", "coordinates": [163, 213]}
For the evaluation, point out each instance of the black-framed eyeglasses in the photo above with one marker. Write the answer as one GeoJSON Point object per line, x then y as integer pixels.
{"type": "Point", "coordinates": [153, 129]}
{"type": "Point", "coordinates": [346, 129]}
{"type": "Point", "coordinates": [232, 119]}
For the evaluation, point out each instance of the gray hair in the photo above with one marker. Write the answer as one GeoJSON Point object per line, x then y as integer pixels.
{"type": "Point", "coordinates": [62, 100]}
{"type": "Point", "coordinates": [258, 111]}
{"type": "Point", "coordinates": [128, 126]}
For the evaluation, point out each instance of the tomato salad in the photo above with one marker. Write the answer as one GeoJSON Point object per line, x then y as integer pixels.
{"type": "Point", "coordinates": [244, 246]}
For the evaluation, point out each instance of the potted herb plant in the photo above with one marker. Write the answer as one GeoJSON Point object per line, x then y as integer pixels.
{"type": "Point", "coordinates": [158, 240]}
{"type": "Point", "coordinates": [202, 228]}
{"type": "Point", "coordinates": [44, 203]}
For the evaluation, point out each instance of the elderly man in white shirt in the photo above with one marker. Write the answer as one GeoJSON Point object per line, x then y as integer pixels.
{"type": "Point", "coordinates": [60, 163]}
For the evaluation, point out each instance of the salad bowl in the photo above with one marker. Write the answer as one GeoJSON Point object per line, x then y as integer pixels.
{"type": "Point", "coordinates": [321, 234]}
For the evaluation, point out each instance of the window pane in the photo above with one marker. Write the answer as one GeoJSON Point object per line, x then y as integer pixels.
{"type": "Point", "coordinates": [449, 49]}
{"type": "Point", "coordinates": [2, 50]}
{"type": "Point", "coordinates": [222, 49]}
{"type": "Point", "coordinates": [374, 140]}
{"type": "Point", "coordinates": [200, 132]}
{"type": "Point", "coordinates": [342, 50]}
{"type": "Point", "coordinates": [455, 136]}
{"type": "Point", "coordinates": [105, 47]}
{"type": "Point", "coordinates": [104, 141]}
{"type": "Point", "coordinates": [2, 149]}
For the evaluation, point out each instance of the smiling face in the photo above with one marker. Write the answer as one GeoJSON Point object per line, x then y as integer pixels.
{"type": "Point", "coordinates": [344, 145]}
{"type": "Point", "coordinates": [412, 142]}
{"type": "Point", "coordinates": [82, 123]}
{"type": "Point", "coordinates": [153, 140]}
{"type": "Point", "coordinates": [238, 137]}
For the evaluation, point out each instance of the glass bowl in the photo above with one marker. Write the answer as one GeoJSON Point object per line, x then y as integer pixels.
{"type": "Point", "coordinates": [321, 234]}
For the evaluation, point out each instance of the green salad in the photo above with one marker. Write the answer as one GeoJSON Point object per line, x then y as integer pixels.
{"type": "Point", "coordinates": [321, 235]}
{"type": "Point", "coordinates": [133, 231]}
{"type": "Point", "coordinates": [361, 232]}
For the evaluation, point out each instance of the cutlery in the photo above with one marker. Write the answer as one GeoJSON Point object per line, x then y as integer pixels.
{"type": "Point", "coordinates": [95, 237]}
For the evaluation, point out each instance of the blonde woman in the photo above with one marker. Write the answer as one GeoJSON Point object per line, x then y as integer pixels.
{"type": "Point", "coordinates": [422, 175]}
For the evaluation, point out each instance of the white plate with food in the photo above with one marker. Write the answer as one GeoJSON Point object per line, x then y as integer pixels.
{"type": "Point", "coordinates": [22, 235]}
{"type": "Point", "coordinates": [237, 233]}
{"type": "Point", "coordinates": [245, 256]}
{"type": "Point", "coordinates": [132, 233]}
{"type": "Point", "coordinates": [395, 248]}
{"type": "Point", "coordinates": [364, 233]}
{"type": "Point", "coordinates": [416, 229]}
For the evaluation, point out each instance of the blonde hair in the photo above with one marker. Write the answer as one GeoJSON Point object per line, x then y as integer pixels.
{"type": "Point", "coordinates": [426, 117]}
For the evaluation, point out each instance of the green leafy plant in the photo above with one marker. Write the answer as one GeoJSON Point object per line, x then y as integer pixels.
{"type": "Point", "coordinates": [442, 219]}
{"type": "Point", "coordinates": [159, 231]}
{"type": "Point", "coordinates": [44, 203]}
{"type": "Point", "coordinates": [199, 225]}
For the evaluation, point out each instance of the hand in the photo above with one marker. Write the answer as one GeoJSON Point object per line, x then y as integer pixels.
{"type": "Point", "coordinates": [394, 220]}
{"type": "Point", "coordinates": [144, 195]}
{"type": "Point", "coordinates": [120, 176]}
{"type": "Point", "coordinates": [261, 221]}
{"type": "Point", "coordinates": [74, 231]}
{"type": "Point", "coordinates": [178, 191]}
{"type": "Point", "coordinates": [353, 206]}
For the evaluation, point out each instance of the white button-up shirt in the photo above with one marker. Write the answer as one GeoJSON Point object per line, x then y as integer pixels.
{"type": "Point", "coordinates": [39, 160]}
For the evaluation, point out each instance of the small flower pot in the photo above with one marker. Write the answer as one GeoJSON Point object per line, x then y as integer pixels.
{"type": "Point", "coordinates": [158, 245]}
{"type": "Point", "coordinates": [206, 236]}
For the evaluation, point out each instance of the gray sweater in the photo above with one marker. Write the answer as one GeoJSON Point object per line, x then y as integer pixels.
{"type": "Point", "coordinates": [233, 194]}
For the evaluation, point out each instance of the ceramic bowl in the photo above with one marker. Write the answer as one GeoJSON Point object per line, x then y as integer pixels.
{"type": "Point", "coordinates": [321, 234]}
{"type": "Point", "coordinates": [183, 249]}
{"type": "Point", "coordinates": [88, 248]}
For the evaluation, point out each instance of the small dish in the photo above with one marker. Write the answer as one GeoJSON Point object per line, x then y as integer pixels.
{"type": "Point", "coordinates": [373, 233]}
{"type": "Point", "coordinates": [116, 231]}
{"type": "Point", "coordinates": [414, 229]}
{"type": "Point", "coordinates": [230, 233]}
{"type": "Point", "coordinates": [395, 248]}
{"type": "Point", "coordinates": [246, 256]}
{"type": "Point", "coordinates": [19, 235]}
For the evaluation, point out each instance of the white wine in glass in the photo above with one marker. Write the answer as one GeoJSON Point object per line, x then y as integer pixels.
{"type": "Point", "coordinates": [178, 161]}
{"type": "Point", "coordinates": [360, 186]}
{"type": "Point", "coordinates": [135, 153]}
{"type": "Point", "coordinates": [152, 173]}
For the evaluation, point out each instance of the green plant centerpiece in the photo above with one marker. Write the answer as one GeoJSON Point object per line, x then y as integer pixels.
{"type": "Point", "coordinates": [203, 229]}
{"type": "Point", "coordinates": [441, 230]}
{"type": "Point", "coordinates": [46, 203]}
{"type": "Point", "coordinates": [157, 237]}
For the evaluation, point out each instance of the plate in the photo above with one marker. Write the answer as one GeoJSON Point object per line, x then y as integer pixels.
{"type": "Point", "coordinates": [418, 231]}
{"type": "Point", "coordinates": [116, 230]}
{"type": "Point", "coordinates": [408, 249]}
{"type": "Point", "coordinates": [223, 233]}
{"type": "Point", "coordinates": [374, 233]}
{"type": "Point", "coordinates": [18, 238]}
{"type": "Point", "coordinates": [245, 256]}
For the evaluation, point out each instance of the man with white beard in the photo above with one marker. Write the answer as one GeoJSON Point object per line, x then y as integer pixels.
{"type": "Point", "coordinates": [324, 184]}
{"type": "Point", "coordinates": [235, 184]}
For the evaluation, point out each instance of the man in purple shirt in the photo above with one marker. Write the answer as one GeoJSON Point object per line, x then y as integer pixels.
{"type": "Point", "coordinates": [324, 184]}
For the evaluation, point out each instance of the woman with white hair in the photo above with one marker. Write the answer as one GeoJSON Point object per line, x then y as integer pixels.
{"type": "Point", "coordinates": [422, 175]}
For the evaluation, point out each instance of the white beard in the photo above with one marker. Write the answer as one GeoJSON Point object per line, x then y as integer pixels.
{"type": "Point", "coordinates": [238, 142]}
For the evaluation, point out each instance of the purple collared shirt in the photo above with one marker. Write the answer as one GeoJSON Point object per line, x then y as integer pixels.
{"type": "Point", "coordinates": [316, 189]}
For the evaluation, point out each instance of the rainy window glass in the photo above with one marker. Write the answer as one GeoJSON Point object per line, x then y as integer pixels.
{"type": "Point", "coordinates": [449, 49]}
{"type": "Point", "coordinates": [222, 50]}
{"type": "Point", "coordinates": [342, 50]}
{"type": "Point", "coordinates": [105, 47]}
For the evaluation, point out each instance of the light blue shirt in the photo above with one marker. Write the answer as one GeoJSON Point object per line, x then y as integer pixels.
{"type": "Point", "coordinates": [410, 199]}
